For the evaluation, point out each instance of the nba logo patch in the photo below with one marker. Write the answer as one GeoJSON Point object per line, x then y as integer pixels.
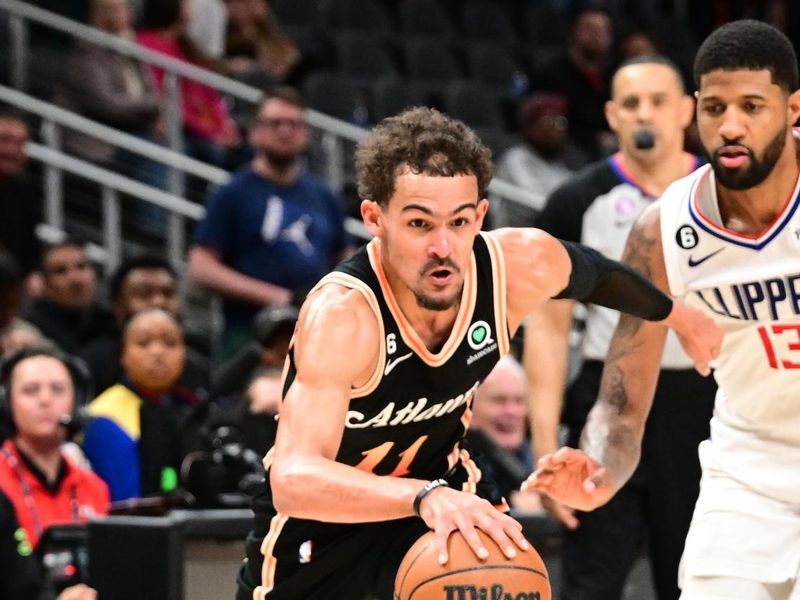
{"type": "Point", "coordinates": [304, 554]}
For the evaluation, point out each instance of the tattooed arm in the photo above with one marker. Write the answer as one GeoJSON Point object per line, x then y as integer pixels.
{"type": "Point", "coordinates": [612, 437]}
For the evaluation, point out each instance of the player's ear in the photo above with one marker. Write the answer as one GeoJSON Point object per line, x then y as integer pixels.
{"type": "Point", "coordinates": [482, 209]}
{"type": "Point", "coordinates": [371, 215]}
{"type": "Point", "coordinates": [793, 107]}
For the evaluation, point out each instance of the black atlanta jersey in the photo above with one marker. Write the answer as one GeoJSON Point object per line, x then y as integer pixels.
{"type": "Point", "coordinates": [409, 418]}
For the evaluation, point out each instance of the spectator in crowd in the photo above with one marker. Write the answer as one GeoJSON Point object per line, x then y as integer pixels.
{"type": "Point", "coordinates": [497, 434]}
{"type": "Point", "coordinates": [207, 26]}
{"type": "Point", "coordinates": [19, 199]}
{"type": "Point", "coordinates": [209, 130]}
{"type": "Point", "coordinates": [68, 312]}
{"type": "Point", "coordinates": [15, 333]}
{"type": "Point", "coordinates": [134, 439]}
{"type": "Point", "coordinates": [274, 230]}
{"type": "Point", "coordinates": [138, 284]}
{"type": "Point", "coordinates": [581, 74]}
{"type": "Point", "coordinates": [117, 90]}
{"type": "Point", "coordinates": [256, 48]}
{"type": "Point", "coordinates": [648, 111]}
{"type": "Point", "coordinates": [537, 162]}
{"type": "Point", "coordinates": [46, 487]}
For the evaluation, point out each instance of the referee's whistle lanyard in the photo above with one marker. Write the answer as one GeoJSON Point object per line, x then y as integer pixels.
{"type": "Point", "coordinates": [27, 493]}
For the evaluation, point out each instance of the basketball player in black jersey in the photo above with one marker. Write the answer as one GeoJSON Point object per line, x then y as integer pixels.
{"type": "Point", "coordinates": [387, 353]}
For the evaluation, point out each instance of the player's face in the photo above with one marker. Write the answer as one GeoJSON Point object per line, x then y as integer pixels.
{"type": "Point", "coordinates": [744, 122]}
{"type": "Point", "coordinates": [648, 97]}
{"type": "Point", "coordinates": [427, 231]}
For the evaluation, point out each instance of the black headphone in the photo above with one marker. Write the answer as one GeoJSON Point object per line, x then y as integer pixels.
{"type": "Point", "coordinates": [78, 372]}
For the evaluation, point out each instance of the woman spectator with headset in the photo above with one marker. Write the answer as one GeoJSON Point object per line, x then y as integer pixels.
{"type": "Point", "coordinates": [39, 389]}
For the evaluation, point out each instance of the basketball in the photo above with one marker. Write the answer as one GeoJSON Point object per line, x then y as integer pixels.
{"type": "Point", "coordinates": [466, 577]}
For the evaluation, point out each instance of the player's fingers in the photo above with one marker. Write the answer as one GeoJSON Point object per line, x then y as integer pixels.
{"type": "Point", "coordinates": [702, 368]}
{"type": "Point", "coordinates": [566, 516]}
{"type": "Point", "coordinates": [596, 481]}
{"type": "Point", "coordinates": [513, 530]}
{"type": "Point", "coordinates": [467, 528]}
{"type": "Point", "coordinates": [440, 537]}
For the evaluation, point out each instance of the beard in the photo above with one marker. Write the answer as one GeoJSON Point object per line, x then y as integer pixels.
{"type": "Point", "coordinates": [280, 161]}
{"type": "Point", "coordinates": [756, 173]}
{"type": "Point", "coordinates": [438, 304]}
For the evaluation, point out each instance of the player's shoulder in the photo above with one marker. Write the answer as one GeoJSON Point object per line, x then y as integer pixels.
{"type": "Point", "coordinates": [339, 312]}
{"type": "Point", "coordinates": [338, 333]}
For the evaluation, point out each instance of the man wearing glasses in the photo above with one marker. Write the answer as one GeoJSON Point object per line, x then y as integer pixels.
{"type": "Point", "coordinates": [274, 230]}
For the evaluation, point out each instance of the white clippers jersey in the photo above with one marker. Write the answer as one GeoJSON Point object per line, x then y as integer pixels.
{"type": "Point", "coordinates": [751, 287]}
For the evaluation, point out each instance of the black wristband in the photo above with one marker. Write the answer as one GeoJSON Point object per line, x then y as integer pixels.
{"type": "Point", "coordinates": [427, 489]}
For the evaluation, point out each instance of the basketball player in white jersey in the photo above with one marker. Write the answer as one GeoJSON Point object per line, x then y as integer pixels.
{"type": "Point", "coordinates": [727, 238]}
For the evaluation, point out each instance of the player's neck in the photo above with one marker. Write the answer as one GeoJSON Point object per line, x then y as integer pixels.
{"type": "Point", "coordinates": [654, 174]}
{"type": "Point", "coordinates": [753, 210]}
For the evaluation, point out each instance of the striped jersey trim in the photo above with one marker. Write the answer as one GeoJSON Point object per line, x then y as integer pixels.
{"type": "Point", "coordinates": [756, 242]}
{"type": "Point", "coordinates": [500, 292]}
{"type": "Point", "coordinates": [410, 337]}
{"type": "Point", "coordinates": [354, 283]}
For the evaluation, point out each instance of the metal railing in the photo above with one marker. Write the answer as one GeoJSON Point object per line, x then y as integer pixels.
{"type": "Point", "coordinates": [334, 131]}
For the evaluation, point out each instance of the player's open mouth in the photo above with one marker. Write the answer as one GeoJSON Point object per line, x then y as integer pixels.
{"type": "Point", "coordinates": [733, 157]}
{"type": "Point", "coordinates": [441, 276]}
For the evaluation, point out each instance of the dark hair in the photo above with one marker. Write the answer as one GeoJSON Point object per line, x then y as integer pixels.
{"type": "Point", "coordinates": [653, 59]}
{"type": "Point", "coordinates": [10, 273]}
{"type": "Point", "coordinates": [67, 242]}
{"type": "Point", "coordinates": [426, 141]}
{"type": "Point", "coordinates": [748, 45]}
{"type": "Point", "coordinates": [153, 309]}
{"type": "Point", "coordinates": [146, 261]}
{"type": "Point", "coordinates": [574, 15]}
{"type": "Point", "coordinates": [159, 15]}
{"type": "Point", "coordinates": [286, 93]}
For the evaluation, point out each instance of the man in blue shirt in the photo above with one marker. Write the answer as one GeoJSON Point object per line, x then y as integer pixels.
{"type": "Point", "coordinates": [274, 230]}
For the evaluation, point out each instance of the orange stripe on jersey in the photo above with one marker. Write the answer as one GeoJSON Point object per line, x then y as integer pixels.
{"type": "Point", "coordinates": [499, 291]}
{"type": "Point", "coordinates": [452, 458]}
{"type": "Point", "coordinates": [473, 472]}
{"type": "Point", "coordinates": [352, 283]}
{"type": "Point", "coordinates": [268, 458]}
{"type": "Point", "coordinates": [466, 418]}
{"type": "Point", "coordinates": [469, 295]}
{"type": "Point", "coordinates": [267, 547]}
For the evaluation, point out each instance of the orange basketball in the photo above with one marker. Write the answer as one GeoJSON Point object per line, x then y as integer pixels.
{"type": "Point", "coordinates": [466, 577]}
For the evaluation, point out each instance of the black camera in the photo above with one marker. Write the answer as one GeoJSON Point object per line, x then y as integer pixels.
{"type": "Point", "coordinates": [225, 474]}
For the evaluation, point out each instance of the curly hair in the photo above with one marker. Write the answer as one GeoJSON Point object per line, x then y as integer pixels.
{"type": "Point", "coordinates": [748, 45]}
{"type": "Point", "coordinates": [424, 141]}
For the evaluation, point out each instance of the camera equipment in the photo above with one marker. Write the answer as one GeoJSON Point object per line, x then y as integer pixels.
{"type": "Point", "coordinates": [224, 474]}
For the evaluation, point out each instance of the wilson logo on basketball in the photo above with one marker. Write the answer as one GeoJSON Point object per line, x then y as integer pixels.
{"type": "Point", "coordinates": [496, 592]}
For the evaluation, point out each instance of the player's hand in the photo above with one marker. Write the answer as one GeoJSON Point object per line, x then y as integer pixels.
{"type": "Point", "coordinates": [570, 477]}
{"type": "Point", "coordinates": [444, 510]}
{"type": "Point", "coordinates": [699, 335]}
{"type": "Point", "coordinates": [560, 512]}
